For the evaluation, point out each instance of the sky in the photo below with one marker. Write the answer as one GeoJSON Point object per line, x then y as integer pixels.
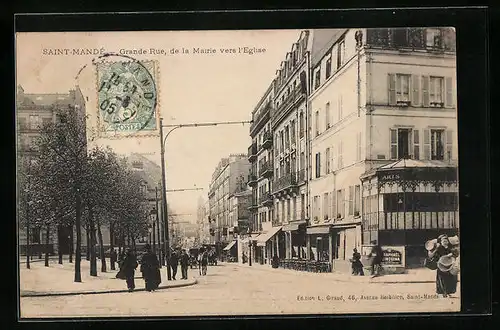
{"type": "Point", "coordinates": [192, 88]}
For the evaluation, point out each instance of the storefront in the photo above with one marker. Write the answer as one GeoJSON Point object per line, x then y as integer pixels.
{"type": "Point", "coordinates": [267, 242]}
{"type": "Point", "coordinates": [407, 203]}
{"type": "Point", "coordinates": [295, 240]}
{"type": "Point", "coordinates": [231, 252]}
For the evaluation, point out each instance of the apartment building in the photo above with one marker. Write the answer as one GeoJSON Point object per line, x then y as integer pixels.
{"type": "Point", "coordinates": [239, 214]}
{"type": "Point", "coordinates": [383, 143]}
{"type": "Point", "coordinates": [226, 179]}
{"type": "Point", "coordinates": [32, 112]}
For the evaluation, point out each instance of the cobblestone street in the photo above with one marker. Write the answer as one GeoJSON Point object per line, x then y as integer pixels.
{"type": "Point", "coordinates": [231, 289]}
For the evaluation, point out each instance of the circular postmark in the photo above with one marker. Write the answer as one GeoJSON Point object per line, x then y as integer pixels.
{"type": "Point", "coordinates": [126, 94]}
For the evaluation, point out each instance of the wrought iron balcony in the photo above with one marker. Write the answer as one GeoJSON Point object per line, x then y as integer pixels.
{"type": "Point", "coordinates": [266, 199]}
{"type": "Point", "coordinates": [267, 142]}
{"type": "Point", "coordinates": [252, 152]}
{"type": "Point", "coordinates": [261, 118]}
{"type": "Point", "coordinates": [266, 169]}
{"type": "Point", "coordinates": [287, 181]}
{"type": "Point", "coordinates": [252, 180]}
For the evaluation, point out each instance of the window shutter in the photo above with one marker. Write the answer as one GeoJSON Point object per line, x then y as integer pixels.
{"type": "Point", "coordinates": [334, 205]}
{"type": "Point", "coordinates": [416, 90]}
{"type": "Point", "coordinates": [394, 143]}
{"type": "Point", "coordinates": [332, 153]}
{"type": "Point", "coordinates": [448, 86]}
{"type": "Point", "coordinates": [317, 165]}
{"type": "Point", "coordinates": [449, 145]}
{"type": "Point", "coordinates": [427, 144]}
{"type": "Point", "coordinates": [425, 91]}
{"type": "Point", "coordinates": [416, 144]}
{"type": "Point", "coordinates": [392, 88]}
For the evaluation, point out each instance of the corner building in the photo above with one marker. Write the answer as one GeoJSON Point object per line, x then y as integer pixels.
{"type": "Point", "coordinates": [383, 144]}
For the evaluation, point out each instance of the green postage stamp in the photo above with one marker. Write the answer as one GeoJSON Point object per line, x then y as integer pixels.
{"type": "Point", "coordinates": [127, 97]}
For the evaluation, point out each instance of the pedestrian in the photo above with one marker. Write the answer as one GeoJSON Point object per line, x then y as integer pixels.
{"type": "Point", "coordinates": [275, 261]}
{"type": "Point", "coordinates": [113, 257]}
{"type": "Point", "coordinates": [376, 259]}
{"type": "Point", "coordinates": [444, 255]}
{"type": "Point", "coordinates": [127, 268]}
{"type": "Point", "coordinates": [150, 269]}
{"type": "Point", "coordinates": [204, 263]}
{"type": "Point", "coordinates": [184, 261]}
{"type": "Point", "coordinates": [174, 263]}
{"type": "Point", "coordinates": [357, 266]}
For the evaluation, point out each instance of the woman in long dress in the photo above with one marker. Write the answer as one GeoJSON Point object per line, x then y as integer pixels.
{"type": "Point", "coordinates": [150, 268]}
{"type": "Point", "coordinates": [446, 282]}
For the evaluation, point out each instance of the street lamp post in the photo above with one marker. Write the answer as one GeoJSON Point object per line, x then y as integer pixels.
{"type": "Point", "coordinates": [158, 229]}
{"type": "Point", "coordinates": [164, 180]}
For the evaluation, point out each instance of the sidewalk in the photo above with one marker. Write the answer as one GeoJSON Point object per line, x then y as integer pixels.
{"type": "Point", "coordinates": [58, 280]}
{"type": "Point", "coordinates": [420, 275]}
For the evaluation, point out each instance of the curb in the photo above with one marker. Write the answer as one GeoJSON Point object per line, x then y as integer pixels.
{"type": "Point", "coordinates": [53, 294]}
{"type": "Point", "coordinates": [359, 279]}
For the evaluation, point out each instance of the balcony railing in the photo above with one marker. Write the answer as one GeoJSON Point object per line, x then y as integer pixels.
{"type": "Point", "coordinates": [291, 99]}
{"type": "Point", "coordinates": [252, 179]}
{"type": "Point", "coordinates": [266, 169]}
{"type": "Point", "coordinates": [288, 180]}
{"type": "Point", "coordinates": [266, 199]}
{"type": "Point", "coordinates": [252, 152]}
{"type": "Point", "coordinates": [261, 117]}
{"type": "Point", "coordinates": [267, 141]}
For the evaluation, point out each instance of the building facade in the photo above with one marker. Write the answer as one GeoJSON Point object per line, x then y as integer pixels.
{"type": "Point", "coordinates": [383, 109]}
{"type": "Point", "coordinates": [226, 179]}
{"type": "Point", "coordinates": [32, 112]}
{"type": "Point", "coordinates": [239, 215]}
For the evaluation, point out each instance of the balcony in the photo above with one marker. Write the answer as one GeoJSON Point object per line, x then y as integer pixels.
{"type": "Point", "coordinates": [266, 169]}
{"type": "Point", "coordinates": [252, 152]}
{"type": "Point", "coordinates": [266, 199]}
{"type": "Point", "coordinates": [286, 184]}
{"type": "Point", "coordinates": [267, 142]}
{"type": "Point", "coordinates": [252, 180]}
{"type": "Point", "coordinates": [253, 205]}
{"type": "Point", "coordinates": [292, 98]}
{"type": "Point", "coordinates": [261, 118]}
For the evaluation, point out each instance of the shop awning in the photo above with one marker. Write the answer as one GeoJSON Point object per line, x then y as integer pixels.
{"type": "Point", "coordinates": [293, 226]}
{"type": "Point", "coordinates": [318, 230]}
{"type": "Point", "coordinates": [263, 238]}
{"type": "Point", "coordinates": [229, 246]}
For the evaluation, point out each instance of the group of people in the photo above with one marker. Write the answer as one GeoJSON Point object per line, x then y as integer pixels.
{"type": "Point", "coordinates": [179, 257]}
{"type": "Point", "coordinates": [150, 269]}
{"type": "Point", "coordinates": [375, 257]}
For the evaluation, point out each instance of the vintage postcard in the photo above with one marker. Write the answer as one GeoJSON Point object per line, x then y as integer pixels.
{"type": "Point", "coordinates": [244, 172]}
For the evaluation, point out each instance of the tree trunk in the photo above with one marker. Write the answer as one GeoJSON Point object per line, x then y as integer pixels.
{"type": "Point", "coordinates": [87, 232]}
{"type": "Point", "coordinates": [101, 247]}
{"type": "Point", "coordinates": [93, 261]}
{"type": "Point", "coordinates": [78, 252]}
{"type": "Point", "coordinates": [112, 243]}
{"type": "Point", "coordinates": [47, 237]}
{"type": "Point", "coordinates": [59, 245]}
{"type": "Point", "coordinates": [71, 244]}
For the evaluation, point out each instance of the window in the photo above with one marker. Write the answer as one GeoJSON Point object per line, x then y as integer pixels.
{"type": "Point", "coordinates": [294, 204]}
{"type": "Point", "coordinates": [449, 144]}
{"type": "Point", "coordinates": [436, 89]}
{"type": "Point", "coordinates": [325, 206]}
{"type": "Point", "coordinates": [329, 67]}
{"type": "Point", "coordinates": [340, 203]}
{"type": "Point", "coordinates": [318, 165]}
{"type": "Point", "coordinates": [35, 122]}
{"type": "Point", "coordinates": [302, 160]}
{"type": "Point", "coordinates": [301, 125]}
{"type": "Point", "coordinates": [282, 142]}
{"type": "Point", "coordinates": [327, 160]}
{"type": "Point", "coordinates": [358, 146]}
{"type": "Point", "coordinates": [400, 37]}
{"type": "Point", "coordinates": [351, 200]}
{"type": "Point", "coordinates": [433, 38]}
{"type": "Point", "coordinates": [333, 205]}
{"type": "Point", "coordinates": [288, 213]}
{"type": "Point", "coordinates": [416, 145]}
{"type": "Point", "coordinates": [287, 137]}
{"type": "Point", "coordinates": [316, 208]}
{"type": "Point", "coordinates": [317, 79]}
{"type": "Point", "coordinates": [340, 160]}
{"type": "Point", "coordinates": [402, 88]}
{"type": "Point", "coordinates": [340, 54]}
{"type": "Point", "coordinates": [327, 115]}
{"type": "Point", "coordinates": [292, 130]}
{"type": "Point", "coordinates": [437, 144]}
{"type": "Point", "coordinates": [357, 200]}
{"type": "Point", "coordinates": [316, 122]}
{"type": "Point", "coordinates": [400, 143]}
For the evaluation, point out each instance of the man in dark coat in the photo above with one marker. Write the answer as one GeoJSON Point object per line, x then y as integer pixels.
{"type": "Point", "coordinates": [150, 268]}
{"type": "Point", "coordinates": [174, 263]}
{"type": "Point", "coordinates": [184, 261]}
{"type": "Point", "coordinates": [127, 268]}
{"type": "Point", "coordinates": [113, 256]}
{"type": "Point", "coordinates": [357, 265]}
{"type": "Point", "coordinates": [376, 259]}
